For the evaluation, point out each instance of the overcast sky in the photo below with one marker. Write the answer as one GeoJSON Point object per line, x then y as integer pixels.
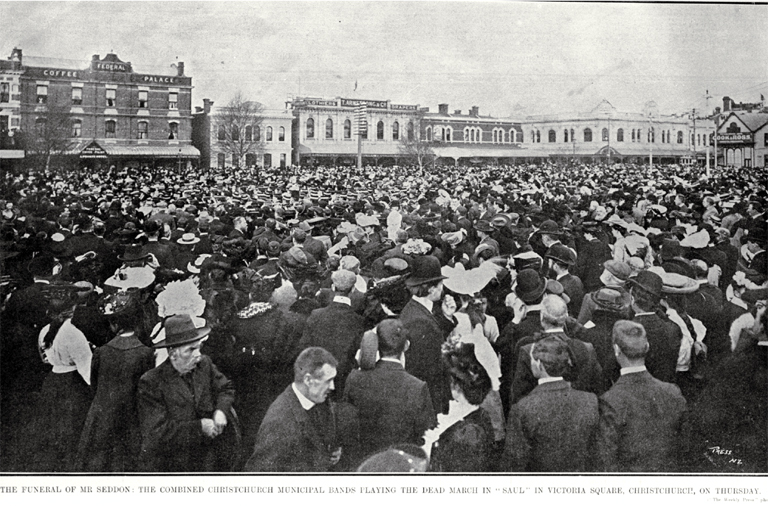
{"type": "Point", "coordinates": [508, 58]}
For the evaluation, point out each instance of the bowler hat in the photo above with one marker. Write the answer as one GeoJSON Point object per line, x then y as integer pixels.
{"type": "Point", "coordinates": [179, 330]}
{"type": "Point", "coordinates": [530, 285]}
{"type": "Point", "coordinates": [562, 254]}
{"type": "Point", "coordinates": [549, 227]}
{"type": "Point", "coordinates": [424, 269]}
{"type": "Point", "coordinates": [133, 253]}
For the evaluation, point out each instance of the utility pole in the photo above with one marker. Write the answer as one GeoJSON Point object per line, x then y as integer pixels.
{"type": "Point", "coordinates": [650, 113]}
{"type": "Point", "coordinates": [707, 96]}
{"type": "Point", "coordinates": [362, 127]}
{"type": "Point", "coordinates": [693, 139]}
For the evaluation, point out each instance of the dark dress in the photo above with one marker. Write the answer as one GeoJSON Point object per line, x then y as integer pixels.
{"type": "Point", "coordinates": [111, 438]}
{"type": "Point", "coordinates": [465, 446]}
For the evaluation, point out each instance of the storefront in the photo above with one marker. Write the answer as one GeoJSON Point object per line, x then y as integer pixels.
{"type": "Point", "coordinates": [94, 154]}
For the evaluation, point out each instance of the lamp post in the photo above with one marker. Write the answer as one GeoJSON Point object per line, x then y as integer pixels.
{"type": "Point", "coordinates": [650, 111]}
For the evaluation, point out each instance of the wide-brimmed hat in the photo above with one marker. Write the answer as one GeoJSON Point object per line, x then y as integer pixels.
{"type": "Point", "coordinates": [609, 299]}
{"type": "Point", "coordinates": [133, 254]}
{"type": "Point", "coordinates": [179, 330]}
{"type": "Point", "coordinates": [530, 285]}
{"type": "Point", "coordinates": [549, 227]}
{"type": "Point", "coordinates": [188, 238]}
{"type": "Point", "coordinates": [424, 269]}
{"type": "Point", "coordinates": [674, 283]}
{"type": "Point", "coordinates": [562, 254]}
{"type": "Point", "coordinates": [484, 226]}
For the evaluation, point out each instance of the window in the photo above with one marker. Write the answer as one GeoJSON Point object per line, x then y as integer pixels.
{"type": "Point", "coordinates": [447, 133]}
{"type": "Point", "coordinates": [110, 127]}
{"type": "Point", "coordinates": [395, 131]}
{"type": "Point", "coordinates": [733, 128]}
{"type": "Point", "coordinates": [220, 160]}
{"type": "Point", "coordinates": [282, 160]}
{"type": "Point", "coordinates": [143, 130]}
{"type": "Point", "coordinates": [633, 135]}
{"type": "Point", "coordinates": [605, 135]}
{"type": "Point", "coordinates": [173, 100]}
{"type": "Point", "coordinates": [250, 159]}
{"type": "Point", "coordinates": [281, 134]}
{"type": "Point", "coordinates": [347, 129]}
{"type": "Point", "coordinates": [267, 160]}
{"type": "Point", "coordinates": [679, 137]}
{"type": "Point", "coordinates": [222, 135]}
{"type": "Point", "coordinates": [639, 134]}
{"type": "Point", "coordinates": [77, 128]}
{"type": "Point", "coordinates": [257, 134]}
{"type": "Point", "coordinates": [77, 96]}
{"type": "Point", "coordinates": [380, 130]}
{"type": "Point", "coordinates": [429, 133]}
{"type": "Point", "coordinates": [42, 94]}
{"type": "Point", "coordinates": [587, 135]}
{"type": "Point", "coordinates": [565, 135]}
{"type": "Point", "coordinates": [235, 133]}
{"type": "Point", "coordinates": [620, 135]}
{"type": "Point", "coordinates": [110, 97]}
{"type": "Point", "coordinates": [573, 136]}
{"type": "Point", "coordinates": [364, 128]}
{"type": "Point", "coordinates": [765, 139]}
{"type": "Point", "coordinates": [248, 136]}
{"type": "Point", "coordinates": [143, 99]}
{"type": "Point", "coordinates": [552, 136]}
{"type": "Point", "coordinates": [310, 129]}
{"type": "Point", "coordinates": [698, 139]}
{"type": "Point", "coordinates": [269, 134]}
{"type": "Point", "coordinates": [651, 135]}
{"type": "Point", "coordinates": [235, 160]}
{"type": "Point", "coordinates": [410, 131]}
{"type": "Point", "coordinates": [5, 92]}
{"type": "Point", "coordinates": [538, 136]}
{"type": "Point", "coordinates": [512, 135]}
{"type": "Point", "coordinates": [329, 128]}
{"type": "Point", "coordinates": [40, 126]}
{"type": "Point", "coordinates": [663, 136]}
{"type": "Point", "coordinates": [173, 130]}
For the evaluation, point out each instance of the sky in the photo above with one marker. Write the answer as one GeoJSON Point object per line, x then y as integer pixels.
{"type": "Point", "coordinates": [511, 59]}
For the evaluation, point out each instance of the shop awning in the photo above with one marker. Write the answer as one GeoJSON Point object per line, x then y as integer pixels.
{"type": "Point", "coordinates": [11, 154]}
{"type": "Point", "coordinates": [95, 149]}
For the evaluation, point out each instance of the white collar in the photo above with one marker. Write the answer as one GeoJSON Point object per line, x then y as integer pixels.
{"type": "Point", "coordinates": [305, 403]}
{"type": "Point", "coordinates": [647, 313]}
{"type": "Point", "coordinates": [424, 301]}
{"type": "Point", "coordinates": [343, 300]}
{"type": "Point", "coordinates": [630, 370]}
{"type": "Point", "coordinates": [554, 331]}
{"type": "Point", "coordinates": [534, 307]}
{"type": "Point", "coordinates": [561, 276]}
{"type": "Point", "coordinates": [550, 379]}
{"type": "Point", "coordinates": [393, 360]}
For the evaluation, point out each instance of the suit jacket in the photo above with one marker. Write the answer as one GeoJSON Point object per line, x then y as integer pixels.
{"type": "Point", "coordinates": [574, 288]}
{"type": "Point", "coordinates": [552, 429]}
{"type": "Point", "coordinates": [465, 446]}
{"type": "Point", "coordinates": [163, 253]}
{"type": "Point", "coordinates": [585, 375]}
{"type": "Point", "coordinates": [640, 417]}
{"type": "Point", "coordinates": [423, 359]}
{"type": "Point", "coordinates": [289, 441]}
{"type": "Point", "coordinates": [664, 338]}
{"type": "Point", "coordinates": [393, 406]}
{"type": "Point", "coordinates": [170, 410]}
{"type": "Point", "coordinates": [338, 329]}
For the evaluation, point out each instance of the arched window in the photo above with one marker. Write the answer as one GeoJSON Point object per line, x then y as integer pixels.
{"type": "Point", "coordinates": [733, 128]}
{"type": "Point", "coordinates": [533, 136]}
{"type": "Point", "coordinates": [173, 130]}
{"type": "Point", "coordinates": [235, 133]}
{"type": "Point", "coordinates": [633, 135]}
{"type": "Point", "coordinates": [410, 131]}
{"type": "Point", "coordinates": [552, 136]}
{"type": "Point", "coordinates": [269, 134]}
{"type": "Point", "coordinates": [257, 133]}
{"type": "Point", "coordinates": [538, 136]}
{"type": "Point", "coordinates": [77, 128]}
{"type": "Point", "coordinates": [248, 135]}
{"type": "Point", "coordinates": [110, 129]}
{"type": "Point", "coordinates": [380, 130]}
{"type": "Point", "coordinates": [587, 135]}
{"type": "Point", "coordinates": [573, 136]}
{"type": "Point", "coordinates": [620, 135]}
{"type": "Point", "coordinates": [329, 128]}
{"type": "Point", "coordinates": [679, 137]}
{"type": "Point", "coordinates": [651, 135]}
{"type": "Point", "coordinates": [310, 128]}
{"type": "Point", "coordinates": [605, 135]}
{"type": "Point", "coordinates": [220, 160]}
{"type": "Point", "coordinates": [429, 133]}
{"type": "Point", "coordinates": [222, 133]}
{"type": "Point", "coordinates": [395, 131]}
{"type": "Point", "coordinates": [513, 136]}
{"type": "Point", "coordinates": [639, 135]}
{"type": "Point", "coordinates": [142, 131]}
{"type": "Point", "coordinates": [447, 134]}
{"type": "Point", "coordinates": [347, 129]}
{"type": "Point", "coordinates": [281, 134]}
{"type": "Point", "coordinates": [565, 135]}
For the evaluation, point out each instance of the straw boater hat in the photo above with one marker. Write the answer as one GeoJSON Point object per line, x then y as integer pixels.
{"type": "Point", "coordinates": [179, 330]}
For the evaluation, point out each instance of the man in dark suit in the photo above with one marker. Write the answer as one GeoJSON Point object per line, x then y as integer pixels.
{"type": "Point", "coordinates": [663, 335]}
{"type": "Point", "coordinates": [299, 433]}
{"type": "Point", "coordinates": [162, 251]}
{"type": "Point", "coordinates": [561, 259]}
{"type": "Point", "coordinates": [337, 327]}
{"type": "Point", "coordinates": [393, 406]}
{"type": "Point", "coordinates": [184, 406]}
{"type": "Point", "coordinates": [551, 429]}
{"type": "Point", "coordinates": [640, 416]}
{"type": "Point", "coordinates": [428, 324]}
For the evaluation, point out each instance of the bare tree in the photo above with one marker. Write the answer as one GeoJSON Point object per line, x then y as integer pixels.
{"type": "Point", "coordinates": [413, 148]}
{"type": "Point", "coordinates": [50, 138]}
{"type": "Point", "coordinates": [238, 128]}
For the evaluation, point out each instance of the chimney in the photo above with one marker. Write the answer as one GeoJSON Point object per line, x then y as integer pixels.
{"type": "Point", "coordinates": [442, 108]}
{"type": "Point", "coordinates": [726, 104]}
{"type": "Point", "coordinates": [207, 104]}
{"type": "Point", "coordinates": [180, 69]}
{"type": "Point", "coordinates": [16, 58]}
{"type": "Point", "coordinates": [95, 57]}
{"type": "Point", "coordinates": [457, 112]}
{"type": "Point", "coordinates": [475, 111]}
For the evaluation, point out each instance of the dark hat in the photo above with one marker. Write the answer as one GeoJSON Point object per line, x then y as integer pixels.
{"type": "Point", "coordinates": [123, 302]}
{"type": "Point", "coordinates": [649, 282]}
{"type": "Point", "coordinates": [549, 227]}
{"type": "Point", "coordinates": [273, 248]}
{"type": "Point", "coordinates": [530, 285]}
{"type": "Point", "coordinates": [609, 299]}
{"type": "Point", "coordinates": [752, 296]}
{"type": "Point", "coordinates": [61, 295]}
{"type": "Point", "coordinates": [484, 226]}
{"type": "Point", "coordinates": [128, 229]}
{"type": "Point", "coordinates": [670, 248]}
{"type": "Point", "coordinates": [152, 226]}
{"type": "Point", "coordinates": [562, 254]}
{"type": "Point", "coordinates": [395, 266]}
{"type": "Point", "coordinates": [41, 266]}
{"type": "Point", "coordinates": [620, 269]}
{"type": "Point", "coordinates": [180, 329]}
{"type": "Point", "coordinates": [424, 269]}
{"type": "Point", "coordinates": [133, 254]}
{"type": "Point", "coordinates": [757, 234]}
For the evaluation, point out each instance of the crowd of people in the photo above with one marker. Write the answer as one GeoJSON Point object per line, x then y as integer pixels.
{"type": "Point", "coordinates": [529, 318]}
